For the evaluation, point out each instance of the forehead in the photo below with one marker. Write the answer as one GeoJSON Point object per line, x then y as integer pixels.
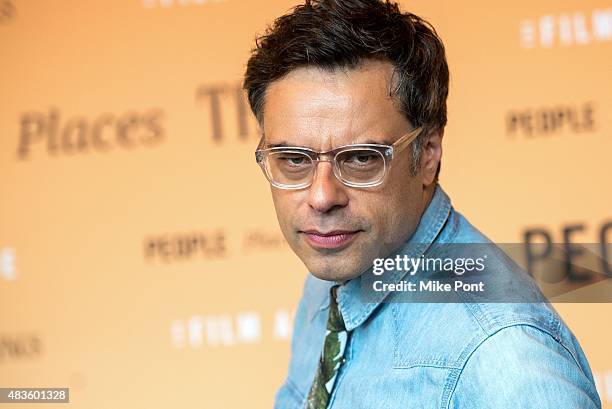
{"type": "Point", "coordinates": [326, 108]}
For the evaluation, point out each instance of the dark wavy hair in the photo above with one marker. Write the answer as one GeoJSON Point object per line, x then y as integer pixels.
{"type": "Point", "coordinates": [333, 34]}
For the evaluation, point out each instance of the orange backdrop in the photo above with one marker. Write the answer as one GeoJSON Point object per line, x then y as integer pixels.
{"type": "Point", "coordinates": [140, 260]}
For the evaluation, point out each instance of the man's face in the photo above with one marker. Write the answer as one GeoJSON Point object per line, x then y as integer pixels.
{"type": "Point", "coordinates": [337, 230]}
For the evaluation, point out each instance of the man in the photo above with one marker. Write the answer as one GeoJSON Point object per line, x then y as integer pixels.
{"type": "Point", "coordinates": [350, 96]}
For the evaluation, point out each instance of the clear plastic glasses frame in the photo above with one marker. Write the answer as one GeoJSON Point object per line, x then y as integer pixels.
{"type": "Point", "coordinates": [268, 157]}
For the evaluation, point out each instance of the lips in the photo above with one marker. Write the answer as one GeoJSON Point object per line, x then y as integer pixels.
{"type": "Point", "coordinates": [332, 240]}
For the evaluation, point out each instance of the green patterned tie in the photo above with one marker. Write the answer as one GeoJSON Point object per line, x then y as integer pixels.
{"type": "Point", "coordinates": [331, 359]}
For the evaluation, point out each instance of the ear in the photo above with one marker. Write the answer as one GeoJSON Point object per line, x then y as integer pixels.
{"type": "Point", "coordinates": [431, 156]}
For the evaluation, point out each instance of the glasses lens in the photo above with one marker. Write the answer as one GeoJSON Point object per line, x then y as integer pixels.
{"type": "Point", "coordinates": [289, 168]}
{"type": "Point", "coordinates": [361, 166]}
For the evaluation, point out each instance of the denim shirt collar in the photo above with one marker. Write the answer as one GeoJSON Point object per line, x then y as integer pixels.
{"type": "Point", "coordinates": [354, 311]}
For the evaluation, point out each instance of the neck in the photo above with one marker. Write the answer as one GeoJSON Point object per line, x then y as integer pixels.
{"type": "Point", "coordinates": [428, 193]}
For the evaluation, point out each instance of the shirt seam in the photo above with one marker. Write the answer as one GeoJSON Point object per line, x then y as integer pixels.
{"type": "Point", "coordinates": [455, 376]}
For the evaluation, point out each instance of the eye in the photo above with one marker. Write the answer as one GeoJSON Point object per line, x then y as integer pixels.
{"type": "Point", "coordinates": [292, 162]}
{"type": "Point", "coordinates": [363, 158]}
{"type": "Point", "coordinates": [292, 159]}
{"type": "Point", "coordinates": [295, 160]}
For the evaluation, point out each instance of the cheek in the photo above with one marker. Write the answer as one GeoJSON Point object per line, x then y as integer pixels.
{"type": "Point", "coordinates": [400, 207]}
{"type": "Point", "coordinates": [286, 204]}
{"type": "Point", "coordinates": [390, 217]}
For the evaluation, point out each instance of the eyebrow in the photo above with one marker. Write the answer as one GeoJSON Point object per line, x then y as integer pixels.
{"type": "Point", "coordinates": [285, 144]}
{"type": "Point", "coordinates": [282, 144]}
{"type": "Point", "coordinates": [371, 141]}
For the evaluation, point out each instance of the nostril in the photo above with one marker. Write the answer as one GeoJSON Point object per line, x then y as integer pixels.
{"type": "Point", "coordinates": [326, 191]}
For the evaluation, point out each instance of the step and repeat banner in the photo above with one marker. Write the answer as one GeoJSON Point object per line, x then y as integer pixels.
{"type": "Point", "coordinates": [141, 264]}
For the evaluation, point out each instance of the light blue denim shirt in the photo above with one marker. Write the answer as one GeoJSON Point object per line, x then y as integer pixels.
{"type": "Point", "coordinates": [439, 355]}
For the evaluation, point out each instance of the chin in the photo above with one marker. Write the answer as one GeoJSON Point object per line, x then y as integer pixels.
{"type": "Point", "coordinates": [334, 271]}
{"type": "Point", "coordinates": [327, 276]}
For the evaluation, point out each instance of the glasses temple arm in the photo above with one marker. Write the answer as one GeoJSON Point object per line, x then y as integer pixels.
{"type": "Point", "coordinates": [402, 142]}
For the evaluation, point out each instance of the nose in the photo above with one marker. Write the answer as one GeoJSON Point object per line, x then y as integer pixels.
{"type": "Point", "coordinates": [326, 192]}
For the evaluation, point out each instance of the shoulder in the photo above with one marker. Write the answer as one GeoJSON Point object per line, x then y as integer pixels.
{"type": "Point", "coordinates": [525, 327]}
{"type": "Point", "coordinates": [447, 334]}
{"type": "Point", "coordinates": [504, 354]}
{"type": "Point", "coordinates": [525, 361]}
{"type": "Point", "coordinates": [496, 355]}
{"type": "Point", "coordinates": [491, 321]}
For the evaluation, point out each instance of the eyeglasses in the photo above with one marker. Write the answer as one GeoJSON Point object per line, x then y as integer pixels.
{"type": "Point", "coordinates": [358, 165]}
